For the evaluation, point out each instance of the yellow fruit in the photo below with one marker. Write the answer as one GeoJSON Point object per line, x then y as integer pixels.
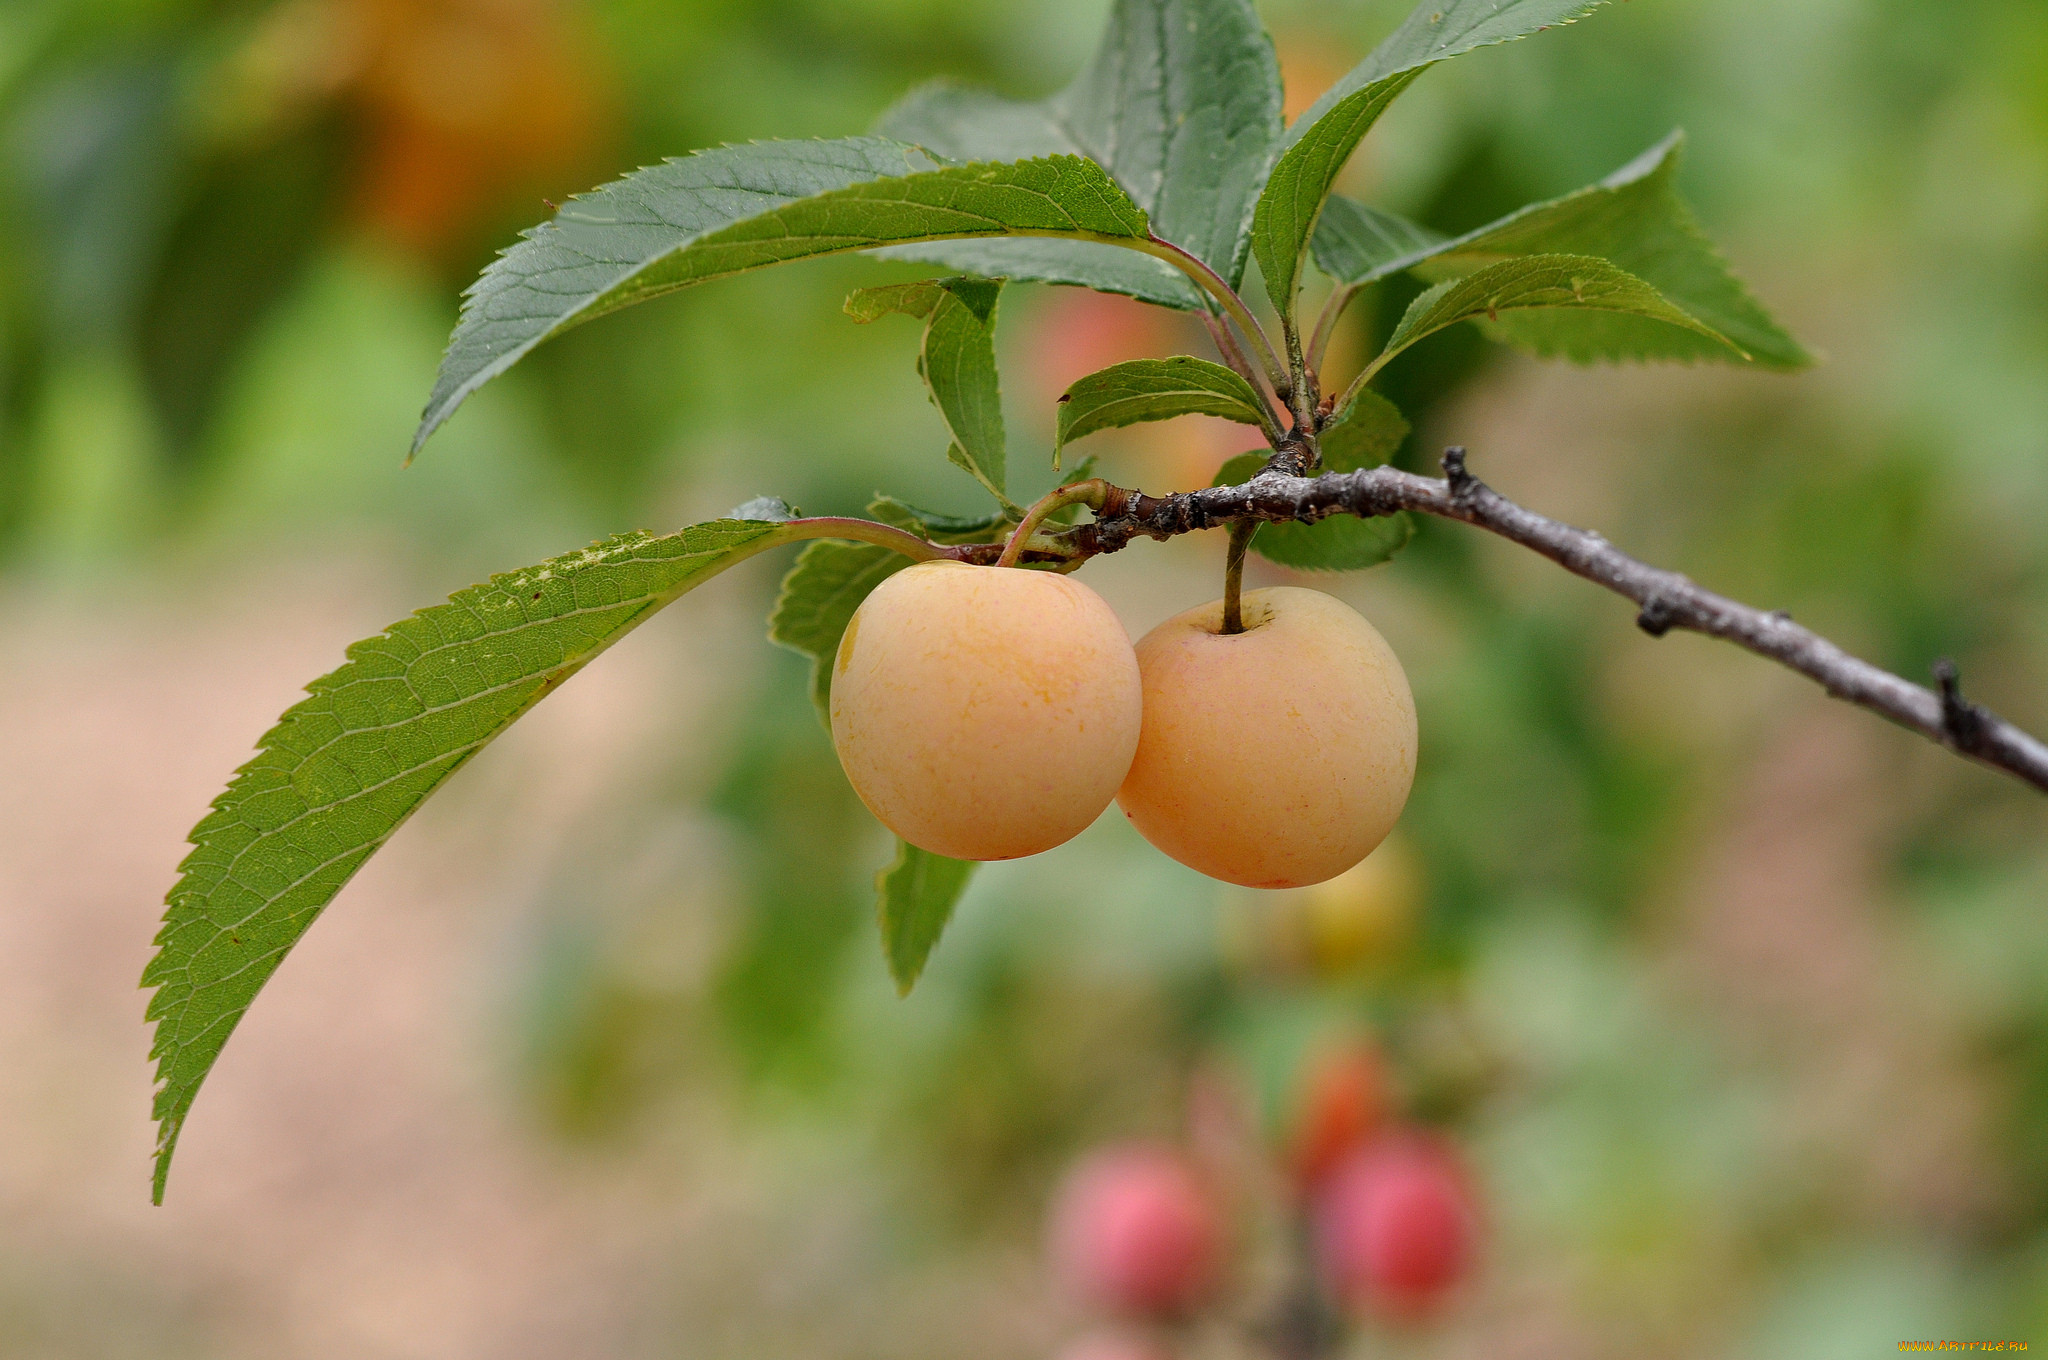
{"type": "Point", "coordinates": [1365, 915]}
{"type": "Point", "coordinates": [1276, 757]}
{"type": "Point", "coordinates": [985, 712]}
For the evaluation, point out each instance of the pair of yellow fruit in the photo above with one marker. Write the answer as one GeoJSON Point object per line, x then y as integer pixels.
{"type": "Point", "coordinates": [989, 713]}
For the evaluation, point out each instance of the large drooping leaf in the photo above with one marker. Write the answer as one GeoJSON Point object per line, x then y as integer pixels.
{"type": "Point", "coordinates": [345, 767]}
{"type": "Point", "coordinates": [1365, 434]}
{"type": "Point", "coordinates": [958, 363]}
{"type": "Point", "coordinates": [736, 208]}
{"type": "Point", "coordinates": [1156, 389]}
{"type": "Point", "coordinates": [1323, 138]}
{"type": "Point", "coordinates": [1634, 219]}
{"type": "Point", "coordinates": [915, 898]}
{"type": "Point", "coordinates": [1535, 282]}
{"type": "Point", "coordinates": [1181, 104]}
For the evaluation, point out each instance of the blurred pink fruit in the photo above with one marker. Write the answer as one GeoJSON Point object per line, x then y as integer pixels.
{"type": "Point", "coordinates": [1114, 1346]}
{"type": "Point", "coordinates": [1396, 1224]}
{"type": "Point", "coordinates": [1134, 1230]}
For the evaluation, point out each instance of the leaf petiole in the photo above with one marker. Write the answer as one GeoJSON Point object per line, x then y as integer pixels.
{"type": "Point", "coordinates": [1213, 284]}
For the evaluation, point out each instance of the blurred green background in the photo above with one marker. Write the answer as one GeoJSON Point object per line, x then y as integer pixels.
{"type": "Point", "coordinates": [1738, 1000]}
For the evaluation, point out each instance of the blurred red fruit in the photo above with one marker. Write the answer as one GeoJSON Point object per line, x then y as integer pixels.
{"type": "Point", "coordinates": [1134, 1230]}
{"type": "Point", "coordinates": [1396, 1225]}
{"type": "Point", "coordinates": [1343, 1104]}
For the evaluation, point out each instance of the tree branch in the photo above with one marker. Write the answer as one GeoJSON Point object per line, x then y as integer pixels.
{"type": "Point", "coordinates": [1665, 599]}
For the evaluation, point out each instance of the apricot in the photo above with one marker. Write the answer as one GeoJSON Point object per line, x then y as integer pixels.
{"type": "Point", "coordinates": [984, 712]}
{"type": "Point", "coordinates": [1276, 757]}
{"type": "Point", "coordinates": [1135, 1230]}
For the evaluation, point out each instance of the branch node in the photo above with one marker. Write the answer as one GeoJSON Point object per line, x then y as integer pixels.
{"type": "Point", "coordinates": [1963, 721]}
{"type": "Point", "coordinates": [1656, 617]}
{"type": "Point", "coordinates": [1464, 486]}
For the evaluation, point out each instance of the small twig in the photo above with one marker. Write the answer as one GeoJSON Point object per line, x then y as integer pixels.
{"type": "Point", "coordinates": [1301, 381]}
{"type": "Point", "coordinates": [1666, 599]}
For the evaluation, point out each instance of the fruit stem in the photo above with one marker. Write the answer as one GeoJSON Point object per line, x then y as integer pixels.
{"type": "Point", "coordinates": [1233, 575]}
{"type": "Point", "coordinates": [1093, 493]}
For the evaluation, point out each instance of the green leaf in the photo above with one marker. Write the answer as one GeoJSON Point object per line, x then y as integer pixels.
{"type": "Point", "coordinates": [957, 361]}
{"type": "Point", "coordinates": [1181, 104]}
{"type": "Point", "coordinates": [1365, 434]}
{"type": "Point", "coordinates": [938, 528]}
{"type": "Point", "coordinates": [1634, 219]}
{"type": "Point", "coordinates": [345, 767]}
{"type": "Point", "coordinates": [737, 208]}
{"type": "Point", "coordinates": [1355, 244]}
{"type": "Point", "coordinates": [918, 298]}
{"type": "Point", "coordinates": [1338, 543]}
{"type": "Point", "coordinates": [959, 366]}
{"type": "Point", "coordinates": [819, 595]}
{"type": "Point", "coordinates": [1156, 389]}
{"type": "Point", "coordinates": [1323, 138]}
{"type": "Point", "coordinates": [916, 895]}
{"type": "Point", "coordinates": [1533, 282]}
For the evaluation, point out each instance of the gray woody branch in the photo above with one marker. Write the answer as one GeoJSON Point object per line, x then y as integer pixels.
{"type": "Point", "coordinates": [1666, 599]}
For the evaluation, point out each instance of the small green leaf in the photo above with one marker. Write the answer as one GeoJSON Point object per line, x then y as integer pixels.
{"type": "Point", "coordinates": [1633, 219]}
{"type": "Point", "coordinates": [738, 208]}
{"type": "Point", "coordinates": [1365, 434]}
{"type": "Point", "coordinates": [915, 899]}
{"type": "Point", "coordinates": [1338, 543]}
{"type": "Point", "coordinates": [346, 766]}
{"type": "Point", "coordinates": [957, 361]}
{"type": "Point", "coordinates": [1181, 104]}
{"type": "Point", "coordinates": [918, 298]}
{"type": "Point", "coordinates": [895, 299]}
{"type": "Point", "coordinates": [1323, 138]}
{"type": "Point", "coordinates": [1157, 389]}
{"type": "Point", "coordinates": [938, 528]}
{"type": "Point", "coordinates": [1355, 244]}
{"type": "Point", "coordinates": [1533, 282]}
{"type": "Point", "coordinates": [819, 594]}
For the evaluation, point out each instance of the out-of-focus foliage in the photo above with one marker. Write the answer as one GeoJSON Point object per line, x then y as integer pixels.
{"type": "Point", "coordinates": [1738, 1003]}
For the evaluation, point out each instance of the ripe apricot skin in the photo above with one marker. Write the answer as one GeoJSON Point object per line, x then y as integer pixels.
{"type": "Point", "coordinates": [1276, 757]}
{"type": "Point", "coordinates": [985, 712]}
